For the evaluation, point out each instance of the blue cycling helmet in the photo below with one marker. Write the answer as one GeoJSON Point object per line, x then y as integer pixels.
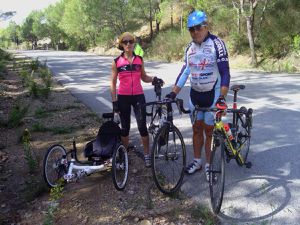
{"type": "Point", "coordinates": [196, 18]}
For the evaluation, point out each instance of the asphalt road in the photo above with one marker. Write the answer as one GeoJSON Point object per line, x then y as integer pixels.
{"type": "Point", "coordinates": [269, 192]}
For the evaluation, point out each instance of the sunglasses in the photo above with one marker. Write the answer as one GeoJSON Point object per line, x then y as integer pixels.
{"type": "Point", "coordinates": [125, 42]}
{"type": "Point", "coordinates": [197, 27]}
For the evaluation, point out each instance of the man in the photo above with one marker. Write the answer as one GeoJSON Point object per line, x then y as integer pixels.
{"type": "Point", "coordinates": [138, 48]}
{"type": "Point", "coordinates": [206, 63]}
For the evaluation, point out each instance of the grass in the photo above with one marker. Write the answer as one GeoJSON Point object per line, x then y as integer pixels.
{"type": "Point", "coordinates": [38, 127]}
{"type": "Point", "coordinates": [16, 115]}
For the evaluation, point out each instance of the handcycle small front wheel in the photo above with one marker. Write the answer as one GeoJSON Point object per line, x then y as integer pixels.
{"type": "Point", "coordinates": [55, 165]}
{"type": "Point", "coordinates": [168, 159]}
{"type": "Point", "coordinates": [217, 173]}
{"type": "Point", "coordinates": [120, 167]}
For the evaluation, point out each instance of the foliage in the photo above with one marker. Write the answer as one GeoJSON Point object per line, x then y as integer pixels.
{"type": "Point", "coordinates": [56, 194]}
{"type": "Point", "coordinates": [81, 24]}
{"type": "Point", "coordinates": [16, 115]}
{"type": "Point", "coordinates": [31, 161]}
{"type": "Point", "coordinates": [169, 45]}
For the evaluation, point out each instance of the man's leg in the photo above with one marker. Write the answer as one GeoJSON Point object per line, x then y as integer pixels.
{"type": "Point", "coordinates": [198, 129]}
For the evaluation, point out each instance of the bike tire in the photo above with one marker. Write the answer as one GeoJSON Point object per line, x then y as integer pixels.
{"type": "Point", "coordinates": [168, 159]}
{"type": "Point", "coordinates": [217, 173]}
{"type": "Point", "coordinates": [53, 168]}
{"type": "Point", "coordinates": [120, 167]}
{"type": "Point", "coordinates": [244, 123]}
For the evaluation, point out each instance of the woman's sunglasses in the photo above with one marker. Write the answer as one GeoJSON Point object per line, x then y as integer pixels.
{"type": "Point", "coordinates": [197, 27]}
{"type": "Point", "coordinates": [125, 42]}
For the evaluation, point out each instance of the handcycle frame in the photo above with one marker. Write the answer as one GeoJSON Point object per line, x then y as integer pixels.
{"type": "Point", "coordinates": [74, 169]}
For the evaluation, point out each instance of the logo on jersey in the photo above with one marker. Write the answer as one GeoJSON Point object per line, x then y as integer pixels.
{"type": "Point", "coordinates": [203, 64]}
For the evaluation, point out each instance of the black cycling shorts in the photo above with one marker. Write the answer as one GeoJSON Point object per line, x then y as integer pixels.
{"type": "Point", "coordinates": [137, 102]}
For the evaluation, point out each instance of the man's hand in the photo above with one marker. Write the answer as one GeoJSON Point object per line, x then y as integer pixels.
{"type": "Point", "coordinates": [115, 107]}
{"type": "Point", "coordinates": [221, 103]}
{"type": "Point", "coordinates": [171, 95]}
{"type": "Point", "coordinates": [157, 81]}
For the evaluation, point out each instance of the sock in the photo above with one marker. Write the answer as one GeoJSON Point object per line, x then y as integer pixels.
{"type": "Point", "coordinates": [198, 161]}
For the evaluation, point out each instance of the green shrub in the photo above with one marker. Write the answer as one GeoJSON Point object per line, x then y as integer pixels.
{"type": "Point", "coordinates": [169, 45]}
{"type": "Point", "coordinates": [34, 64]}
{"type": "Point", "coordinates": [38, 127]}
{"type": "Point", "coordinates": [16, 115]}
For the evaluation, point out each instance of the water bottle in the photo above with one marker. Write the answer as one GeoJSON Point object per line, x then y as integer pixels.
{"type": "Point", "coordinates": [228, 131]}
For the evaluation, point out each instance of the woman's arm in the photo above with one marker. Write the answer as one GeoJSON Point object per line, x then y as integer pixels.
{"type": "Point", "coordinates": [113, 81]}
{"type": "Point", "coordinates": [144, 76]}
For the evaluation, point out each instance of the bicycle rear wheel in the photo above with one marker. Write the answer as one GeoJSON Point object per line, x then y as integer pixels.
{"type": "Point", "coordinates": [120, 167]}
{"type": "Point", "coordinates": [168, 159]}
{"type": "Point", "coordinates": [244, 123]}
{"type": "Point", "coordinates": [217, 173]}
{"type": "Point", "coordinates": [55, 165]}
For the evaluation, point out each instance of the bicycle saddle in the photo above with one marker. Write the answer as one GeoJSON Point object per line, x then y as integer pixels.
{"type": "Point", "coordinates": [237, 87]}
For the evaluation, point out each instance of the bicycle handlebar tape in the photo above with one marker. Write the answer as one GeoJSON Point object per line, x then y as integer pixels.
{"type": "Point", "coordinates": [221, 103]}
{"type": "Point", "coordinates": [157, 81]}
{"type": "Point", "coordinates": [171, 95]}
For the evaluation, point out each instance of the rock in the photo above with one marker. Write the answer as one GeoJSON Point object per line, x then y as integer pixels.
{"type": "Point", "coordinates": [145, 222]}
{"type": "Point", "coordinates": [136, 219]}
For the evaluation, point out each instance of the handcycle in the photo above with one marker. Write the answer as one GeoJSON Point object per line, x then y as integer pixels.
{"type": "Point", "coordinates": [227, 144]}
{"type": "Point", "coordinates": [168, 153]}
{"type": "Point", "coordinates": [103, 153]}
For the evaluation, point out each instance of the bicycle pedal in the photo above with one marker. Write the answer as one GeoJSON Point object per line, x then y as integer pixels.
{"type": "Point", "coordinates": [248, 165]}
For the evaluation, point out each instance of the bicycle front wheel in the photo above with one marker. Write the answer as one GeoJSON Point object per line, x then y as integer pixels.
{"type": "Point", "coordinates": [168, 159]}
{"type": "Point", "coordinates": [120, 167]}
{"type": "Point", "coordinates": [55, 165]}
{"type": "Point", "coordinates": [244, 123]}
{"type": "Point", "coordinates": [217, 173]}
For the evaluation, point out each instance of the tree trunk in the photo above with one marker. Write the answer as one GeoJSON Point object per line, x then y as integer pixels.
{"type": "Point", "coordinates": [172, 15]}
{"type": "Point", "coordinates": [251, 40]}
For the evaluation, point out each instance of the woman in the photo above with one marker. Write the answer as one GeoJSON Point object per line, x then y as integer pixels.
{"type": "Point", "coordinates": [129, 69]}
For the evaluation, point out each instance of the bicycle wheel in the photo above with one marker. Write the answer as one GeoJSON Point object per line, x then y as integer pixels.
{"type": "Point", "coordinates": [120, 167]}
{"type": "Point", "coordinates": [244, 123]}
{"type": "Point", "coordinates": [55, 165]}
{"type": "Point", "coordinates": [168, 159]}
{"type": "Point", "coordinates": [217, 173]}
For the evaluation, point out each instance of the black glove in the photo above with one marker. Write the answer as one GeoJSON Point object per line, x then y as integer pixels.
{"type": "Point", "coordinates": [157, 81]}
{"type": "Point", "coordinates": [171, 95]}
{"type": "Point", "coordinates": [221, 103]}
{"type": "Point", "coordinates": [116, 107]}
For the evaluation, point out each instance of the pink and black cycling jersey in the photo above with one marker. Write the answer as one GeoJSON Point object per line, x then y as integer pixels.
{"type": "Point", "coordinates": [206, 65]}
{"type": "Point", "coordinates": [129, 75]}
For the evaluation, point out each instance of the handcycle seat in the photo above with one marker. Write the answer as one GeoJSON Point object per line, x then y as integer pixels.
{"type": "Point", "coordinates": [109, 135]}
{"type": "Point", "coordinates": [237, 87]}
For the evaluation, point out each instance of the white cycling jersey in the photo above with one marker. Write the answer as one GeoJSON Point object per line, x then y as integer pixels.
{"type": "Point", "coordinates": [207, 63]}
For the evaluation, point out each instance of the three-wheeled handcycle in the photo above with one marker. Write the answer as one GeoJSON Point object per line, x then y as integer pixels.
{"type": "Point", "coordinates": [104, 152]}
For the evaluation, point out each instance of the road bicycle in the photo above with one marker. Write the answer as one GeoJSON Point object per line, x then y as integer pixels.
{"type": "Point", "coordinates": [227, 144]}
{"type": "Point", "coordinates": [168, 153]}
{"type": "Point", "coordinates": [60, 164]}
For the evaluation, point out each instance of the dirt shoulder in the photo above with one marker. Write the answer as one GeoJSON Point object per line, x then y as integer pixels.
{"type": "Point", "coordinates": [93, 200]}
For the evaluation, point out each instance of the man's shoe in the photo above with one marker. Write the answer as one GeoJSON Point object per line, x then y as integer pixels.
{"type": "Point", "coordinates": [193, 167]}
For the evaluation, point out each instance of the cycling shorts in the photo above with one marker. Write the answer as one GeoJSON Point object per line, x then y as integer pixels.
{"type": "Point", "coordinates": [136, 101]}
{"type": "Point", "coordinates": [204, 99]}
